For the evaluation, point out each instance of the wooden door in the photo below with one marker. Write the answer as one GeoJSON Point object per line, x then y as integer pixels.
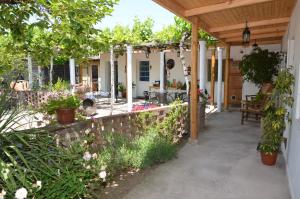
{"type": "Point", "coordinates": [235, 83]}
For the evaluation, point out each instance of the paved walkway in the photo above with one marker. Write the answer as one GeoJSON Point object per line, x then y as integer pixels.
{"type": "Point", "coordinates": [224, 165]}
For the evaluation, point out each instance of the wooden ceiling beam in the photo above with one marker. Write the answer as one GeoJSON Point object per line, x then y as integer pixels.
{"type": "Point", "coordinates": [222, 6]}
{"type": "Point", "coordinates": [253, 32]}
{"type": "Point", "coordinates": [172, 6]}
{"type": "Point", "coordinates": [253, 37]}
{"type": "Point", "coordinates": [262, 42]}
{"type": "Point", "coordinates": [250, 24]}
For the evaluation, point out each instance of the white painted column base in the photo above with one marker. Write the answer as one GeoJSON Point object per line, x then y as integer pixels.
{"type": "Point", "coordinates": [220, 72]}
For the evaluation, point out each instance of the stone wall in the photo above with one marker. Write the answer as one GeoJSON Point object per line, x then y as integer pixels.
{"type": "Point", "coordinates": [128, 124]}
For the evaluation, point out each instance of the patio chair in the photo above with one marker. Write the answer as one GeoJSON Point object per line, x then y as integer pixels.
{"type": "Point", "coordinates": [253, 107]}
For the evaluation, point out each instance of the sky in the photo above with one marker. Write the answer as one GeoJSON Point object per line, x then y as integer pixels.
{"type": "Point", "coordinates": [126, 10]}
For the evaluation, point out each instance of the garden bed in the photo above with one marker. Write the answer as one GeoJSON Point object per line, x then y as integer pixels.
{"type": "Point", "coordinates": [71, 161]}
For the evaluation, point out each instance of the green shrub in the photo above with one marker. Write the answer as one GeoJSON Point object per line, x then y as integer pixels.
{"type": "Point", "coordinates": [33, 156]}
{"type": "Point", "coordinates": [114, 154]}
{"type": "Point", "coordinates": [61, 86]}
{"type": "Point", "coordinates": [150, 149]}
{"type": "Point", "coordinates": [72, 102]}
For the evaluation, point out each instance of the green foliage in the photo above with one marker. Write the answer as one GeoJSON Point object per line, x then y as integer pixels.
{"type": "Point", "coordinates": [12, 60]}
{"type": "Point", "coordinates": [68, 102]}
{"type": "Point", "coordinates": [276, 111]}
{"type": "Point", "coordinates": [141, 32]}
{"type": "Point", "coordinates": [260, 66]}
{"type": "Point", "coordinates": [155, 143]}
{"type": "Point", "coordinates": [30, 156]}
{"type": "Point", "coordinates": [174, 32]}
{"type": "Point", "coordinates": [61, 86]}
{"type": "Point", "coordinates": [47, 28]}
{"type": "Point", "coordinates": [151, 148]}
{"type": "Point", "coordinates": [121, 88]}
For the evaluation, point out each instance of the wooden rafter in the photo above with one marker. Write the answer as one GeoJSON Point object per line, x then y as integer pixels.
{"type": "Point", "coordinates": [253, 32]}
{"type": "Point", "coordinates": [259, 42]}
{"type": "Point", "coordinates": [261, 36]}
{"type": "Point", "coordinates": [221, 6]}
{"type": "Point", "coordinates": [173, 7]}
{"type": "Point", "coordinates": [250, 24]}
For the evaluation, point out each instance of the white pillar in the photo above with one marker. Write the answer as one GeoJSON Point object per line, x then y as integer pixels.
{"type": "Point", "coordinates": [40, 76]}
{"type": "Point", "coordinates": [112, 76]}
{"type": "Point", "coordinates": [162, 72]}
{"type": "Point", "coordinates": [29, 62]}
{"type": "Point", "coordinates": [129, 78]}
{"type": "Point", "coordinates": [72, 74]}
{"type": "Point", "coordinates": [51, 71]}
{"type": "Point", "coordinates": [202, 61]}
{"type": "Point", "coordinates": [99, 74]}
{"type": "Point", "coordinates": [220, 72]}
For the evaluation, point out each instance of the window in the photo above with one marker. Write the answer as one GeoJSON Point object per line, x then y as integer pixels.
{"type": "Point", "coordinates": [216, 70]}
{"type": "Point", "coordinates": [144, 71]}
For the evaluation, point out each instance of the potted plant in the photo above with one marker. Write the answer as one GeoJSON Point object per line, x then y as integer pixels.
{"type": "Point", "coordinates": [122, 90]}
{"type": "Point", "coordinates": [275, 117]}
{"type": "Point", "coordinates": [260, 67]}
{"type": "Point", "coordinates": [64, 107]}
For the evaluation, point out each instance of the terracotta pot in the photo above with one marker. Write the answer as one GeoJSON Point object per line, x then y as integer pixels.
{"type": "Point", "coordinates": [269, 159]}
{"type": "Point", "coordinates": [65, 115]}
{"type": "Point", "coordinates": [124, 94]}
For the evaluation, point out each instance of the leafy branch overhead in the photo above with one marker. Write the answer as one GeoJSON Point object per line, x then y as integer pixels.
{"type": "Point", "coordinates": [69, 24]}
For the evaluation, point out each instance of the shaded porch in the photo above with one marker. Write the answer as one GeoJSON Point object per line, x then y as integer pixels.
{"type": "Point", "coordinates": [224, 165]}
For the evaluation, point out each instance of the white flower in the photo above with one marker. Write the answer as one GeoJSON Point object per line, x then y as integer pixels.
{"type": "Point", "coordinates": [87, 156]}
{"type": "Point", "coordinates": [21, 193]}
{"type": "Point", "coordinates": [38, 184]}
{"type": "Point", "coordinates": [102, 175]}
{"type": "Point", "coordinates": [88, 167]}
{"type": "Point", "coordinates": [2, 194]}
{"type": "Point", "coordinates": [87, 131]}
{"type": "Point", "coordinates": [94, 155]}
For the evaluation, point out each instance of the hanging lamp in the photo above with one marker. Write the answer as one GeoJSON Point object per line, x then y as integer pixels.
{"type": "Point", "coordinates": [246, 35]}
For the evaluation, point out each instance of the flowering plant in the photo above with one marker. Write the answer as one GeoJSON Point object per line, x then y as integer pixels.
{"type": "Point", "coordinates": [203, 96]}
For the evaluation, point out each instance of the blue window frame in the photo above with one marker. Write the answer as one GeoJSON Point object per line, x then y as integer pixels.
{"type": "Point", "coordinates": [144, 71]}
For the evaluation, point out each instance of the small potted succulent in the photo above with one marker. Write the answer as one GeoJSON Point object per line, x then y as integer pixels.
{"type": "Point", "coordinates": [64, 107]}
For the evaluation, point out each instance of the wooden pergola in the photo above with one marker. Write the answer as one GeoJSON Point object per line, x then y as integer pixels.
{"type": "Point", "coordinates": [225, 20]}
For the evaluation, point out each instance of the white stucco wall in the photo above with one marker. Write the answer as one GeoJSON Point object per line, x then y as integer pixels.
{"type": "Point", "coordinates": [175, 73]}
{"type": "Point", "coordinates": [293, 152]}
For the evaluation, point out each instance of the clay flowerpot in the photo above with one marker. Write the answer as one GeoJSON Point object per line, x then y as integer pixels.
{"type": "Point", "coordinates": [65, 115]}
{"type": "Point", "coordinates": [269, 159]}
{"type": "Point", "coordinates": [124, 94]}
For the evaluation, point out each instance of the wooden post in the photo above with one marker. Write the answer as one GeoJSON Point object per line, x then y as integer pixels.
{"type": "Point", "coordinates": [212, 76]}
{"type": "Point", "coordinates": [194, 83]}
{"type": "Point", "coordinates": [226, 81]}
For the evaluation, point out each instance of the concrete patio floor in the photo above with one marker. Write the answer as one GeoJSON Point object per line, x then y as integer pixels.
{"type": "Point", "coordinates": [224, 165]}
